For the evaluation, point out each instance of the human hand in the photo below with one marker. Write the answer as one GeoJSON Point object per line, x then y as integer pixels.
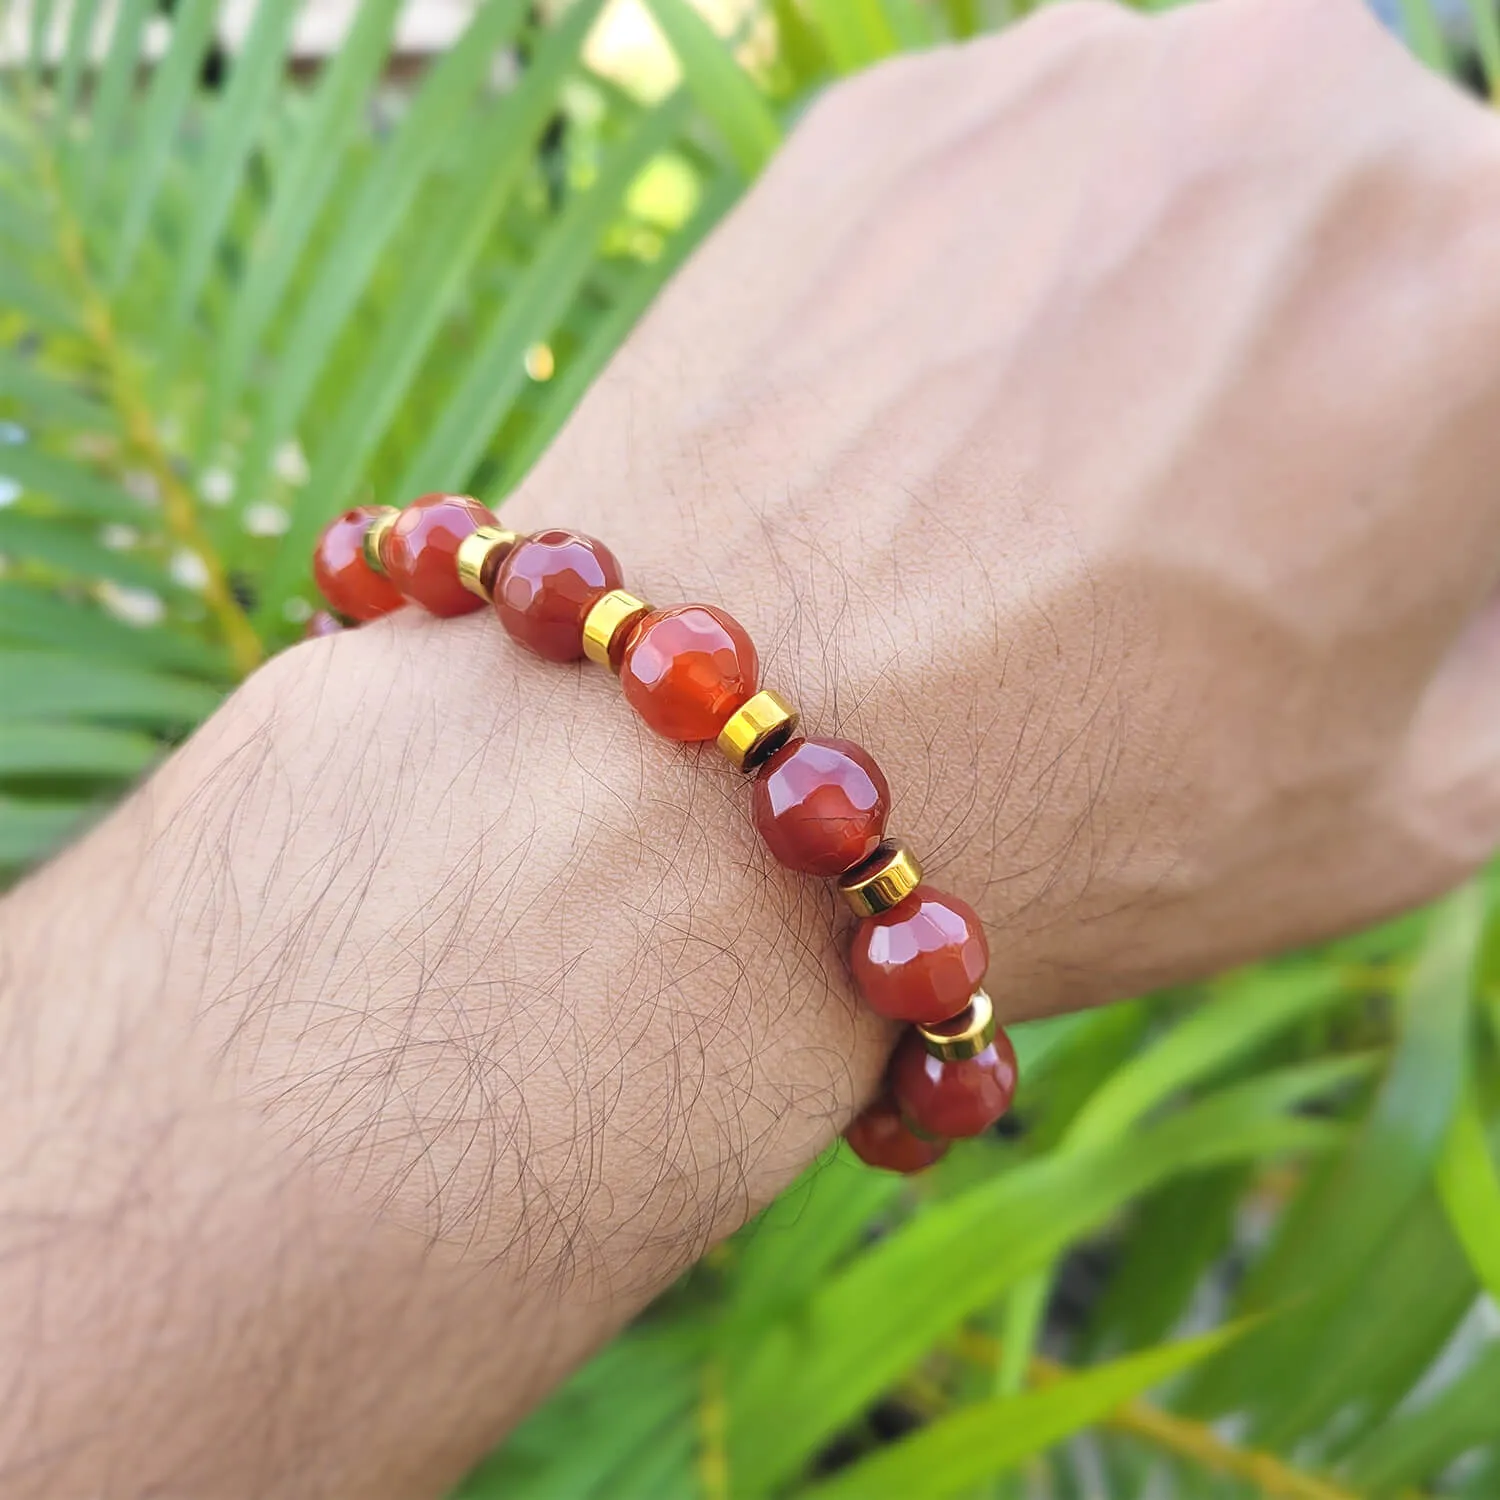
{"type": "Point", "coordinates": [1108, 431]}
{"type": "Point", "coordinates": [1096, 425]}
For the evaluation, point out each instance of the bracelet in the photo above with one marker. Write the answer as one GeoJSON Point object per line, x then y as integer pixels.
{"type": "Point", "coordinates": [917, 955]}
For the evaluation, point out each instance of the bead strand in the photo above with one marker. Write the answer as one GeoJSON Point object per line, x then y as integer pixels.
{"type": "Point", "coordinates": [820, 805]}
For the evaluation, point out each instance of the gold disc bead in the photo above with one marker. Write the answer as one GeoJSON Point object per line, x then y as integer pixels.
{"type": "Point", "coordinates": [608, 625]}
{"type": "Point", "coordinates": [757, 729]}
{"type": "Point", "coordinates": [962, 1036]}
{"type": "Point", "coordinates": [376, 532]}
{"type": "Point", "coordinates": [882, 881]}
{"type": "Point", "coordinates": [479, 557]}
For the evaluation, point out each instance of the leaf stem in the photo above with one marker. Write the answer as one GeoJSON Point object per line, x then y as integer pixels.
{"type": "Point", "coordinates": [179, 509]}
{"type": "Point", "coordinates": [713, 1414]}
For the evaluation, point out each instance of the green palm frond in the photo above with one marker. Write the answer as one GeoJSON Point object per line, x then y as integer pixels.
{"type": "Point", "coordinates": [228, 312]}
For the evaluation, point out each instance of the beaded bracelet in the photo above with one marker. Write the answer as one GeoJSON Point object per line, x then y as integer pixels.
{"type": "Point", "coordinates": [690, 672]}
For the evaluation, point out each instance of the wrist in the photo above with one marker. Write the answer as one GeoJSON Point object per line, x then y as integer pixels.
{"type": "Point", "coordinates": [580, 955]}
{"type": "Point", "coordinates": [577, 1031]}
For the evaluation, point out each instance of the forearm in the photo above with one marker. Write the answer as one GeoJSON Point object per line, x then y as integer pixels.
{"type": "Point", "coordinates": [402, 1134]}
{"type": "Point", "coordinates": [426, 1014]}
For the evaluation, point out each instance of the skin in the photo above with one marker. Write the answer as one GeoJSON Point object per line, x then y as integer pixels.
{"type": "Point", "coordinates": [1098, 424]}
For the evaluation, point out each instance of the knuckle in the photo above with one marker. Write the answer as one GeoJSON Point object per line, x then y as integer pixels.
{"type": "Point", "coordinates": [1076, 22]}
{"type": "Point", "coordinates": [1303, 32]}
{"type": "Point", "coordinates": [1072, 40]}
{"type": "Point", "coordinates": [907, 79]}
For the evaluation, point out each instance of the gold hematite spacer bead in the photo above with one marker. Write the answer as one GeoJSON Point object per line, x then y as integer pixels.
{"type": "Point", "coordinates": [607, 626]}
{"type": "Point", "coordinates": [882, 881]}
{"type": "Point", "coordinates": [757, 729]}
{"type": "Point", "coordinates": [479, 557]}
{"type": "Point", "coordinates": [375, 535]}
{"type": "Point", "coordinates": [965, 1035]}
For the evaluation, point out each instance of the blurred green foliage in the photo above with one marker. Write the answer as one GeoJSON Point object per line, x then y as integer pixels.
{"type": "Point", "coordinates": [227, 312]}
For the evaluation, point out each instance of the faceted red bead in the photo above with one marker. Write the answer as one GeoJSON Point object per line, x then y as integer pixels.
{"type": "Point", "coordinates": [343, 576]}
{"type": "Point", "coordinates": [420, 551]}
{"type": "Point", "coordinates": [881, 1138]}
{"type": "Point", "coordinates": [546, 587]}
{"type": "Point", "coordinates": [687, 669]}
{"type": "Point", "coordinates": [820, 805]}
{"type": "Point", "coordinates": [921, 960]}
{"type": "Point", "coordinates": [321, 623]}
{"type": "Point", "coordinates": [953, 1098]}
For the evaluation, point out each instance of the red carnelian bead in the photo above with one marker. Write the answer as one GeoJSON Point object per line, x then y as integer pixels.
{"type": "Point", "coordinates": [820, 805]}
{"type": "Point", "coordinates": [687, 669]}
{"type": "Point", "coordinates": [321, 623]}
{"type": "Point", "coordinates": [879, 1137]}
{"type": "Point", "coordinates": [956, 1097]}
{"type": "Point", "coordinates": [921, 960]}
{"type": "Point", "coordinates": [343, 576]}
{"type": "Point", "coordinates": [419, 551]}
{"type": "Point", "coordinates": [546, 587]}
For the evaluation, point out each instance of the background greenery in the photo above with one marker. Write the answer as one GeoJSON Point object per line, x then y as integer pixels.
{"type": "Point", "coordinates": [232, 302]}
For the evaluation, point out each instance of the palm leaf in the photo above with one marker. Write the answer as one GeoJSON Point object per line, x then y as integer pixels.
{"type": "Point", "coordinates": [870, 1323]}
{"type": "Point", "coordinates": [1339, 1229]}
{"type": "Point", "coordinates": [170, 96]}
{"type": "Point", "coordinates": [112, 94]}
{"type": "Point", "coordinates": [1470, 1190]}
{"type": "Point", "coordinates": [1486, 22]}
{"type": "Point", "coordinates": [1425, 1439]}
{"type": "Point", "coordinates": [34, 827]}
{"type": "Point", "coordinates": [225, 311]}
{"type": "Point", "coordinates": [496, 368]}
{"type": "Point", "coordinates": [301, 191]}
{"type": "Point", "coordinates": [344, 269]}
{"type": "Point", "coordinates": [989, 1437]}
{"type": "Point", "coordinates": [82, 19]}
{"type": "Point", "coordinates": [237, 123]}
{"type": "Point", "coordinates": [606, 333]}
{"type": "Point", "coordinates": [431, 285]}
{"type": "Point", "coordinates": [722, 90]}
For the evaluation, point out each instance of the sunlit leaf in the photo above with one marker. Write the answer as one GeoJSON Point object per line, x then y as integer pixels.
{"type": "Point", "coordinates": [433, 281]}
{"type": "Point", "coordinates": [52, 750]}
{"type": "Point", "coordinates": [1332, 1233]}
{"type": "Point", "coordinates": [866, 1325]}
{"type": "Point", "coordinates": [46, 685]}
{"type": "Point", "coordinates": [1425, 33]}
{"type": "Point", "coordinates": [237, 121]}
{"type": "Point", "coordinates": [76, 551]}
{"type": "Point", "coordinates": [1485, 18]}
{"type": "Point", "coordinates": [566, 388]}
{"type": "Point", "coordinates": [299, 194]}
{"type": "Point", "coordinates": [784, 1254]}
{"type": "Point", "coordinates": [82, 18]}
{"type": "Point", "coordinates": [31, 829]}
{"type": "Point", "coordinates": [80, 489]}
{"type": "Point", "coordinates": [856, 32]}
{"type": "Point", "coordinates": [1425, 1439]}
{"type": "Point", "coordinates": [1469, 1187]}
{"type": "Point", "coordinates": [385, 193]}
{"type": "Point", "coordinates": [1244, 1013]}
{"type": "Point", "coordinates": [112, 92]}
{"type": "Point", "coordinates": [989, 1437]}
{"type": "Point", "coordinates": [35, 615]}
{"type": "Point", "coordinates": [722, 89]}
{"type": "Point", "coordinates": [496, 369]}
{"type": "Point", "coordinates": [37, 397]}
{"type": "Point", "coordinates": [169, 96]}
